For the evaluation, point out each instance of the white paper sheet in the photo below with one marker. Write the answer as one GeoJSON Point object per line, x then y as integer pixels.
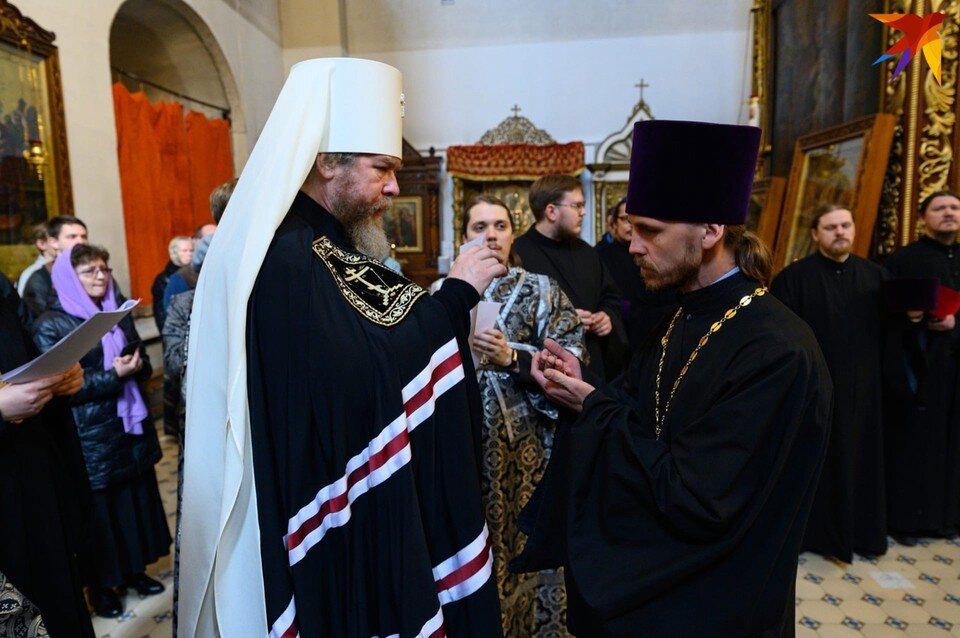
{"type": "Point", "coordinates": [479, 240]}
{"type": "Point", "coordinates": [71, 348]}
{"type": "Point", "coordinates": [892, 580]}
{"type": "Point", "coordinates": [483, 317]}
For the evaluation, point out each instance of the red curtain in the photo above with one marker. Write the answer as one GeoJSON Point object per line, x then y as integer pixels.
{"type": "Point", "coordinates": [210, 140]}
{"type": "Point", "coordinates": [169, 164]}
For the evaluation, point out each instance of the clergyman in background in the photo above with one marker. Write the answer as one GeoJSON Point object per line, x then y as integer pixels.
{"type": "Point", "coordinates": [838, 294]}
{"type": "Point", "coordinates": [552, 246]}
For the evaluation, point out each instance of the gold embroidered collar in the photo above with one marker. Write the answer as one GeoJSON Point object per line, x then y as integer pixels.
{"type": "Point", "coordinates": [379, 294]}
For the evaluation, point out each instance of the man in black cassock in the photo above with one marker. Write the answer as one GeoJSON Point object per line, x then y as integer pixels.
{"type": "Point", "coordinates": [607, 237]}
{"type": "Point", "coordinates": [838, 294]}
{"type": "Point", "coordinates": [922, 415]}
{"type": "Point", "coordinates": [553, 247]}
{"type": "Point", "coordinates": [677, 498]}
{"type": "Point", "coordinates": [642, 310]}
{"type": "Point", "coordinates": [45, 486]}
{"type": "Point", "coordinates": [364, 414]}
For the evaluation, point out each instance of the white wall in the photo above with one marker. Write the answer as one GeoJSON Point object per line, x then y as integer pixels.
{"type": "Point", "coordinates": [83, 37]}
{"type": "Point", "coordinates": [576, 90]}
{"type": "Point", "coordinates": [405, 25]}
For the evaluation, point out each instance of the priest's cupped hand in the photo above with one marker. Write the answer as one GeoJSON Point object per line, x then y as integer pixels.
{"type": "Point", "coordinates": [558, 374]}
{"type": "Point", "coordinates": [477, 266]}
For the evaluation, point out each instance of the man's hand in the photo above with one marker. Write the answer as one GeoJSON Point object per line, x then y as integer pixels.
{"type": "Point", "coordinates": [602, 324]}
{"type": "Point", "coordinates": [493, 345]}
{"type": "Point", "coordinates": [23, 400]}
{"type": "Point", "coordinates": [598, 323]}
{"type": "Point", "coordinates": [557, 372]}
{"type": "Point", "coordinates": [553, 356]}
{"type": "Point", "coordinates": [477, 266]}
{"type": "Point", "coordinates": [130, 364]}
{"type": "Point", "coordinates": [70, 381]}
{"type": "Point", "coordinates": [586, 318]}
{"type": "Point", "coordinates": [942, 325]}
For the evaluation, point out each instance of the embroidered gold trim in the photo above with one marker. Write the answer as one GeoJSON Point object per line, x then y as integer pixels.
{"type": "Point", "coordinates": [379, 294]}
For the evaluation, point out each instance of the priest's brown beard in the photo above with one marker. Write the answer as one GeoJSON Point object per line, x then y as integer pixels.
{"type": "Point", "coordinates": [565, 234]}
{"type": "Point", "coordinates": [838, 249]}
{"type": "Point", "coordinates": [681, 274]}
{"type": "Point", "coordinates": [363, 222]}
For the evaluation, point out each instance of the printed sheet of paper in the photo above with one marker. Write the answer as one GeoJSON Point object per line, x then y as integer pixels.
{"type": "Point", "coordinates": [483, 317]}
{"type": "Point", "coordinates": [71, 348]}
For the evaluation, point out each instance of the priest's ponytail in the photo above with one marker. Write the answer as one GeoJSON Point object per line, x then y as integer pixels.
{"type": "Point", "coordinates": [752, 255]}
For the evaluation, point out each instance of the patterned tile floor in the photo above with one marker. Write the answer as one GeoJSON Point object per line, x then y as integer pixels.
{"type": "Point", "coordinates": [911, 592]}
{"type": "Point", "coordinates": [151, 617]}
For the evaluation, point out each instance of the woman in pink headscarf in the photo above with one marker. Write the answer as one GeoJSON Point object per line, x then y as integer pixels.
{"type": "Point", "coordinates": [118, 439]}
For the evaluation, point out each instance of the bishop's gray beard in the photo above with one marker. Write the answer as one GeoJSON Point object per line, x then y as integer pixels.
{"type": "Point", "coordinates": [368, 237]}
{"type": "Point", "coordinates": [364, 224]}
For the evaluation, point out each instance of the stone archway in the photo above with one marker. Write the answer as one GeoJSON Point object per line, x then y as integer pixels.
{"type": "Point", "coordinates": [165, 42]}
{"type": "Point", "coordinates": [170, 157]}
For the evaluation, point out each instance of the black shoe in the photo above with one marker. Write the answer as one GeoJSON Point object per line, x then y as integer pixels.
{"type": "Point", "coordinates": [106, 603]}
{"type": "Point", "coordinates": [144, 585]}
{"type": "Point", "coordinates": [907, 541]}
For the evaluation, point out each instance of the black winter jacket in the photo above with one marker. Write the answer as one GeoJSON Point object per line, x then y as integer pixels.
{"type": "Point", "coordinates": [38, 294]}
{"type": "Point", "coordinates": [159, 285]}
{"type": "Point", "coordinates": [111, 455]}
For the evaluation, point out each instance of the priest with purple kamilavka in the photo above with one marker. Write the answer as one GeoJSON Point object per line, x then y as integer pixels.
{"type": "Point", "coordinates": [677, 495]}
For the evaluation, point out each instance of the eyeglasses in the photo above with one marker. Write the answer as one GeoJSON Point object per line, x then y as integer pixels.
{"type": "Point", "coordinates": [574, 206]}
{"type": "Point", "coordinates": [93, 272]}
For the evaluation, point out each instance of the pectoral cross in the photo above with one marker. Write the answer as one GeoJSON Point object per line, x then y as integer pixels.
{"type": "Point", "coordinates": [357, 275]}
{"type": "Point", "coordinates": [642, 85]}
{"type": "Point", "coordinates": [516, 110]}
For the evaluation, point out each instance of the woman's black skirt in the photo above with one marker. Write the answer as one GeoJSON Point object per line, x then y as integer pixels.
{"type": "Point", "coordinates": [131, 529]}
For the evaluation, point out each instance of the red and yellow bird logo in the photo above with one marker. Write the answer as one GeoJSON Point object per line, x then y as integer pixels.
{"type": "Point", "coordinates": [919, 34]}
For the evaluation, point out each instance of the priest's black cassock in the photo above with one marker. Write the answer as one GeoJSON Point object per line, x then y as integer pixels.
{"type": "Point", "coordinates": [44, 487]}
{"type": "Point", "coordinates": [365, 418]}
{"type": "Point", "coordinates": [697, 533]}
{"type": "Point", "coordinates": [575, 265]}
{"type": "Point", "coordinates": [841, 302]}
{"type": "Point", "coordinates": [922, 414]}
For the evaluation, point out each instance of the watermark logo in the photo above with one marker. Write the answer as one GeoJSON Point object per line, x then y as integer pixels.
{"type": "Point", "coordinates": [919, 33]}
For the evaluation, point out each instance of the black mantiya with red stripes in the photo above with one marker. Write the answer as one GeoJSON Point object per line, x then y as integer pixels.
{"type": "Point", "coordinates": [364, 455]}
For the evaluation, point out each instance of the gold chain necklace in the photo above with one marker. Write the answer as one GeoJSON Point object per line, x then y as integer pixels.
{"type": "Point", "coordinates": [729, 314]}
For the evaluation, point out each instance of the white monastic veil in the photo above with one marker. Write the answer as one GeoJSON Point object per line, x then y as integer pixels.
{"type": "Point", "coordinates": [221, 582]}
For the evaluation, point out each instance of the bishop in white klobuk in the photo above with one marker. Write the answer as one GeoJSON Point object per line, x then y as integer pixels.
{"type": "Point", "coordinates": [331, 481]}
